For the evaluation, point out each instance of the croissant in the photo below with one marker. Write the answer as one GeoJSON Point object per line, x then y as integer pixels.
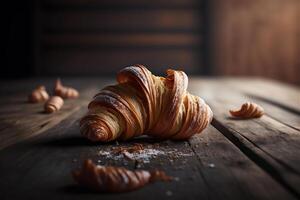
{"type": "Point", "coordinates": [142, 103]}
{"type": "Point", "coordinates": [38, 95]}
{"type": "Point", "coordinates": [65, 92]}
{"type": "Point", "coordinates": [248, 110]}
{"type": "Point", "coordinates": [115, 179]}
{"type": "Point", "coordinates": [53, 104]}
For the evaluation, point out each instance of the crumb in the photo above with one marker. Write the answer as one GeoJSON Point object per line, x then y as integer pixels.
{"type": "Point", "coordinates": [211, 165]}
{"type": "Point", "coordinates": [127, 155]}
{"type": "Point", "coordinates": [137, 164]}
{"type": "Point", "coordinates": [131, 149]}
{"type": "Point", "coordinates": [169, 193]}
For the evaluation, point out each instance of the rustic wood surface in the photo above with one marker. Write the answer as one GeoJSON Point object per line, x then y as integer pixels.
{"type": "Point", "coordinates": [232, 159]}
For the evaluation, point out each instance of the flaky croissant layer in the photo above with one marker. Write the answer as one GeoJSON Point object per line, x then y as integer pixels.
{"type": "Point", "coordinates": [142, 103]}
{"type": "Point", "coordinates": [115, 179]}
{"type": "Point", "coordinates": [248, 110]}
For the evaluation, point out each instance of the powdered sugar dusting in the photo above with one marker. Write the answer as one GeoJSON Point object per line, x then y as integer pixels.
{"type": "Point", "coordinates": [144, 155]}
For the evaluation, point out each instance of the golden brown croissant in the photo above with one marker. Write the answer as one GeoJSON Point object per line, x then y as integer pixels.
{"type": "Point", "coordinates": [248, 110]}
{"type": "Point", "coordinates": [38, 95]}
{"type": "Point", "coordinates": [64, 92]}
{"type": "Point", "coordinates": [115, 179]}
{"type": "Point", "coordinates": [142, 103]}
{"type": "Point", "coordinates": [53, 104]}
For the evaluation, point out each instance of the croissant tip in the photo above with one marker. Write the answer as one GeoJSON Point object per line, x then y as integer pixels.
{"type": "Point", "coordinates": [248, 110]}
{"type": "Point", "coordinates": [57, 83]}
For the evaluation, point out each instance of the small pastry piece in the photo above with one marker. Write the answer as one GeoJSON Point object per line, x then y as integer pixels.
{"type": "Point", "coordinates": [115, 179]}
{"type": "Point", "coordinates": [131, 149]}
{"type": "Point", "coordinates": [38, 95]}
{"type": "Point", "coordinates": [142, 103]}
{"type": "Point", "coordinates": [65, 92]}
{"type": "Point", "coordinates": [54, 104]}
{"type": "Point", "coordinates": [248, 110]}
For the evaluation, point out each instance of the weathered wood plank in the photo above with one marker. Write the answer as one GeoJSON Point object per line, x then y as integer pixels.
{"type": "Point", "coordinates": [28, 120]}
{"type": "Point", "coordinates": [274, 92]}
{"type": "Point", "coordinates": [280, 101]}
{"type": "Point", "coordinates": [271, 144]}
{"type": "Point", "coordinates": [229, 166]}
{"type": "Point", "coordinates": [279, 114]}
{"type": "Point", "coordinates": [45, 163]}
{"type": "Point", "coordinates": [40, 168]}
{"type": "Point", "coordinates": [20, 120]}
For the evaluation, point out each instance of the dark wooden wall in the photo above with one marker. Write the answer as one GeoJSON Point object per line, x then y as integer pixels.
{"type": "Point", "coordinates": [256, 38]}
{"type": "Point", "coordinates": [92, 37]}
{"type": "Point", "coordinates": [99, 37]}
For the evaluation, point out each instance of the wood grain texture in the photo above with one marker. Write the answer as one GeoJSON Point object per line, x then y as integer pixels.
{"type": "Point", "coordinates": [240, 178]}
{"type": "Point", "coordinates": [279, 94]}
{"type": "Point", "coordinates": [258, 38]}
{"type": "Point", "coordinates": [45, 162]}
{"type": "Point", "coordinates": [20, 119]}
{"type": "Point", "coordinates": [281, 101]}
{"type": "Point", "coordinates": [238, 159]}
{"type": "Point", "coordinates": [270, 143]}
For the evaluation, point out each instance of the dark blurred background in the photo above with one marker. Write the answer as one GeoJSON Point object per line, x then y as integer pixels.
{"type": "Point", "coordinates": [202, 37]}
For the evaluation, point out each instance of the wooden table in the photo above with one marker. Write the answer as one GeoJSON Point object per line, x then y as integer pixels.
{"type": "Point", "coordinates": [232, 159]}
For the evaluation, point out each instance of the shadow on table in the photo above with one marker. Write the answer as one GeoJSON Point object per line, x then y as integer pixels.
{"type": "Point", "coordinates": [76, 189]}
{"type": "Point", "coordinates": [80, 141]}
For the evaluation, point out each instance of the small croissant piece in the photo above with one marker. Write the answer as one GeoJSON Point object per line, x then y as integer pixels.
{"type": "Point", "coordinates": [115, 179]}
{"type": "Point", "coordinates": [248, 110]}
{"type": "Point", "coordinates": [38, 95]}
{"type": "Point", "coordinates": [142, 103]}
{"type": "Point", "coordinates": [65, 92]}
{"type": "Point", "coordinates": [135, 148]}
{"type": "Point", "coordinates": [54, 104]}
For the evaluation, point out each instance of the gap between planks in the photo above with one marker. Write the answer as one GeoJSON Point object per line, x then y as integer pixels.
{"type": "Point", "coordinates": [268, 142]}
{"type": "Point", "coordinates": [62, 148]}
{"type": "Point", "coordinates": [266, 161]}
{"type": "Point", "coordinates": [273, 92]}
